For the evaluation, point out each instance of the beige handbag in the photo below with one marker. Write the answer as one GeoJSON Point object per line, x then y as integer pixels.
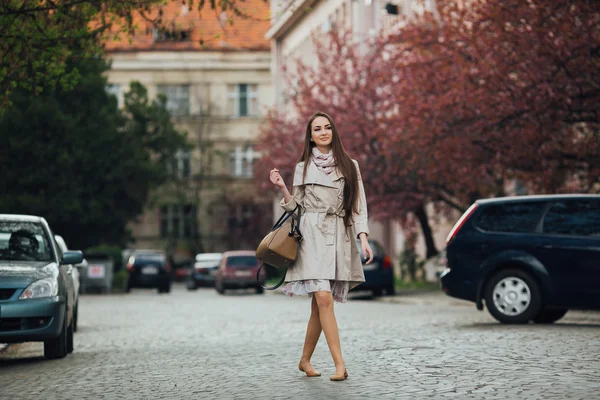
{"type": "Point", "coordinates": [280, 247]}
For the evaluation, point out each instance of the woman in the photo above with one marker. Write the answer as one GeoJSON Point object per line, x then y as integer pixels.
{"type": "Point", "coordinates": [329, 190]}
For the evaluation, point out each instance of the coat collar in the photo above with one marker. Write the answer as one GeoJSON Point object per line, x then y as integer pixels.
{"type": "Point", "coordinates": [315, 176]}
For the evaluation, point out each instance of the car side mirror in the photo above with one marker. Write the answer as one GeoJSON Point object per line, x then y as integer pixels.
{"type": "Point", "coordinates": [72, 257]}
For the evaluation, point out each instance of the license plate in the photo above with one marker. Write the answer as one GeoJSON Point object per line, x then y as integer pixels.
{"type": "Point", "coordinates": [96, 271]}
{"type": "Point", "coordinates": [243, 273]}
{"type": "Point", "coordinates": [149, 270]}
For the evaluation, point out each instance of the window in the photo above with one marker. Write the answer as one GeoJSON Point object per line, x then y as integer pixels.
{"type": "Point", "coordinates": [514, 218]}
{"type": "Point", "coordinates": [241, 161]}
{"type": "Point", "coordinates": [178, 220]}
{"type": "Point", "coordinates": [242, 262]}
{"type": "Point", "coordinates": [115, 90]}
{"type": "Point", "coordinates": [242, 100]}
{"type": "Point", "coordinates": [174, 34]}
{"type": "Point", "coordinates": [180, 166]}
{"type": "Point", "coordinates": [178, 99]}
{"type": "Point", "coordinates": [576, 218]}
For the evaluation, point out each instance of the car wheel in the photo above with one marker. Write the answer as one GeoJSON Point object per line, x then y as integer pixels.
{"type": "Point", "coordinates": [167, 288]}
{"type": "Point", "coordinates": [70, 338]}
{"type": "Point", "coordinates": [75, 313]}
{"type": "Point", "coordinates": [550, 315]}
{"type": "Point", "coordinates": [390, 290]}
{"type": "Point", "coordinates": [127, 286]}
{"type": "Point", "coordinates": [377, 292]}
{"type": "Point", "coordinates": [512, 296]}
{"type": "Point", "coordinates": [191, 285]}
{"type": "Point", "coordinates": [57, 347]}
{"type": "Point", "coordinates": [260, 290]}
{"type": "Point", "coordinates": [220, 289]}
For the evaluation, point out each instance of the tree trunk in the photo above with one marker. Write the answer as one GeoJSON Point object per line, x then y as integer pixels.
{"type": "Point", "coordinates": [427, 233]}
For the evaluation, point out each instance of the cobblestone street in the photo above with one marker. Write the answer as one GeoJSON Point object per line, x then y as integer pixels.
{"type": "Point", "coordinates": [200, 345]}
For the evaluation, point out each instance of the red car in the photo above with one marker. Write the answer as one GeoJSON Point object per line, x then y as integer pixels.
{"type": "Point", "coordinates": [238, 270]}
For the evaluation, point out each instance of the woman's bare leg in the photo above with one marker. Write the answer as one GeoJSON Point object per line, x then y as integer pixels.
{"type": "Point", "coordinates": [329, 325]}
{"type": "Point", "coordinates": [313, 333]}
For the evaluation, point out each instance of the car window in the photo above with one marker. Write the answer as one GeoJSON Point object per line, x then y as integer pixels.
{"type": "Point", "coordinates": [148, 259]}
{"type": "Point", "coordinates": [241, 261]}
{"type": "Point", "coordinates": [24, 241]}
{"type": "Point", "coordinates": [577, 218]}
{"type": "Point", "coordinates": [511, 217]}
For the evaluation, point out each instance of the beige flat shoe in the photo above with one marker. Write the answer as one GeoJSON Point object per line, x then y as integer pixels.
{"type": "Point", "coordinates": [310, 374]}
{"type": "Point", "coordinates": [342, 377]}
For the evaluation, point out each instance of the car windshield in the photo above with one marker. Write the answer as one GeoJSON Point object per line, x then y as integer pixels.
{"type": "Point", "coordinates": [24, 241]}
{"type": "Point", "coordinates": [241, 261]}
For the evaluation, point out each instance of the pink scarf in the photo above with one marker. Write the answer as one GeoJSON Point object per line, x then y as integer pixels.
{"type": "Point", "coordinates": [325, 162]}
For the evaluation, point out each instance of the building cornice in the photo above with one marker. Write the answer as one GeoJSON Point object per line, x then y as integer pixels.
{"type": "Point", "coordinates": [180, 60]}
{"type": "Point", "coordinates": [292, 13]}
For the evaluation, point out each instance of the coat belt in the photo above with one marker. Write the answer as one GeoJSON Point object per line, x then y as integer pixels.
{"type": "Point", "coordinates": [328, 210]}
{"type": "Point", "coordinates": [326, 222]}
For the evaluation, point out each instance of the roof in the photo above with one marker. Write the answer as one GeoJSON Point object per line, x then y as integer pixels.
{"type": "Point", "coordinates": [546, 197]}
{"type": "Point", "coordinates": [239, 253]}
{"type": "Point", "coordinates": [20, 217]}
{"type": "Point", "coordinates": [206, 30]}
{"type": "Point", "coordinates": [208, 256]}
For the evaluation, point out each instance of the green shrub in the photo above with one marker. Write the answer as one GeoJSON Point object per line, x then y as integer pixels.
{"type": "Point", "coordinates": [119, 279]}
{"type": "Point", "coordinates": [115, 252]}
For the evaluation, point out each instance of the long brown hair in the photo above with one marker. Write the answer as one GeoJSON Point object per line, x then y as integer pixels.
{"type": "Point", "coordinates": [343, 163]}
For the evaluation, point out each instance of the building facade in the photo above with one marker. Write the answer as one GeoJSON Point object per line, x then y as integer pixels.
{"type": "Point", "coordinates": [215, 72]}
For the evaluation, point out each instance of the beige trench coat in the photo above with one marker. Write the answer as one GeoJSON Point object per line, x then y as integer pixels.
{"type": "Point", "coordinates": [329, 249]}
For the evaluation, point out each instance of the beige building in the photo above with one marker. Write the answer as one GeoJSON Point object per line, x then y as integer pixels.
{"type": "Point", "coordinates": [217, 81]}
{"type": "Point", "coordinates": [293, 25]}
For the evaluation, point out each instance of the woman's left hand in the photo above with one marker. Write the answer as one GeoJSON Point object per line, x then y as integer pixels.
{"type": "Point", "coordinates": [366, 249]}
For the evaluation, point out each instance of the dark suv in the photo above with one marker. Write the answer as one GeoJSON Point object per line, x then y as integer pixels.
{"type": "Point", "coordinates": [530, 258]}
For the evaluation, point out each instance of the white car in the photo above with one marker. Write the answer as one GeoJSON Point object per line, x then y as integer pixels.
{"type": "Point", "coordinates": [74, 273]}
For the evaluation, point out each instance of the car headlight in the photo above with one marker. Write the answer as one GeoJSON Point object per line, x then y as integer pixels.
{"type": "Point", "coordinates": [47, 287]}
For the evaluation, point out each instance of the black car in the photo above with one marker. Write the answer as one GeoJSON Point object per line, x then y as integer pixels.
{"type": "Point", "coordinates": [529, 258]}
{"type": "Point", "coordinates": [379, 274]}
{"type": "Point", "coordinates": [148, 270]}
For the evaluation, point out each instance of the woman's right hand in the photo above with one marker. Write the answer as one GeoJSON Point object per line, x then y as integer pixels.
{"type": "Point", "coordinates": [276, 179]}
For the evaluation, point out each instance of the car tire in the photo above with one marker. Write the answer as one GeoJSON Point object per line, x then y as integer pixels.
{"type": "Point", "coordinates": [57, 347]}
{"type": "Point", "coordinates": [377, 292]}
{"type": "Point", "coordinates": [220, 289]}
{"type": "Point", "coordinates": [167, 288]}
{"type": "Point", "coordinates": [390, 290]}
{"type": "Point", "coordinates": [512, 296]}
{"type": "Point", "coordinates": [75, 314]}
{"type": "Point", "coordinates": [550, 315]}
{"type": "Point", "coordinates": [260, 290]}
{"type": "Point", "coordinates": [70, 338]}
{"type": "Point", "coordinates": [191, 285]}
{"type": "Point", "coordinates": [127, 286]}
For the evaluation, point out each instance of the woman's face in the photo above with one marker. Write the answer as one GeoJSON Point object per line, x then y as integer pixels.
{"type": "Point", "coordinates": [321, 132]}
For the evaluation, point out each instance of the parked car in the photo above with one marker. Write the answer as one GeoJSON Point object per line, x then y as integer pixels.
{"type": "Point", "coordinates": [238, 270]}
{"type": "Point", "coordinates": [37, 297]}
{"type": "Point", "coordinates": [379, 274]}
{"type": "Point", "coordinates": [528, 258]}
{"type": "Point", "coordinates": [204, 271]}
{"type": "Point", "coordinates": [147, 269]}
{"type": "Point", "coordinates": [75, 276]}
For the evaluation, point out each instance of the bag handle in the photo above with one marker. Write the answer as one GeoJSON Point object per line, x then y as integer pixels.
{"type": "Point", "coordinates": [272, 287]}
{"type": "Point", "coordinates": [294, 227]}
